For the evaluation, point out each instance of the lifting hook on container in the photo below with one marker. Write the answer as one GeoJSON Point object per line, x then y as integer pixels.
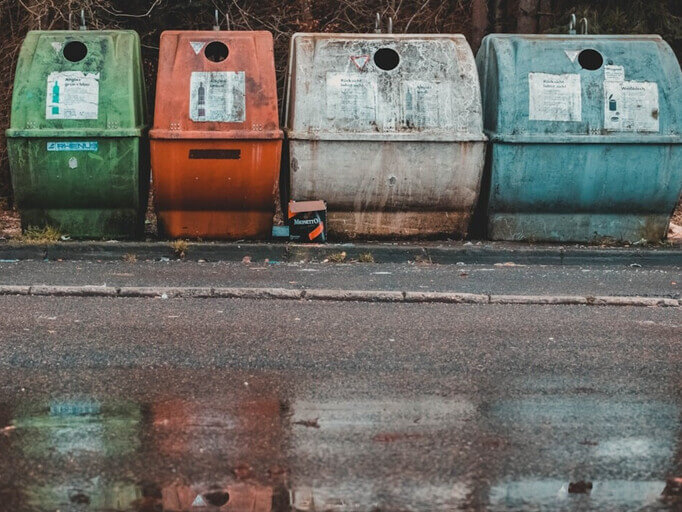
{"type": "Point", "coordinates": [216, 26]}
{"type": "Point", "coordinates": [571, 25]}
{"type": "Point", "coordinates": [377, 25]}
{"type": "Point", "coordinates": [82, 25]}
{"type": "Point", "coordinates": [583, 26]}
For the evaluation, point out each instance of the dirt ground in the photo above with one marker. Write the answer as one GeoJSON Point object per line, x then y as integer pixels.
{"type": "Point", "coordinates": [9, 223]}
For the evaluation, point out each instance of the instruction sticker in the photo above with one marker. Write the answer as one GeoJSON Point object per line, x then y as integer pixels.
{"type": "Point", "coordinates": [614, 74]}
{"type": "Point", "coordinates": [423, 103]}
{"type": "Point", "coordinates": [72, 146]}
{"type": "Point", "coordinates": [554, 97]}
{"type": "Point", "coordinates": [631, 106]}
{"type": "Point", "coordinates": [217, 96]}
{"type": "Point", "coordinates": [352, 97]}
{"type": "Point", "coordinates": [72, 95]}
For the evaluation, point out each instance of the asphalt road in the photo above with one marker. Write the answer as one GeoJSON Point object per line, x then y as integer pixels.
{"type": "Point", "coordinates": [490, 279]}
{"type": "Point", "coordinates": [151, 404]}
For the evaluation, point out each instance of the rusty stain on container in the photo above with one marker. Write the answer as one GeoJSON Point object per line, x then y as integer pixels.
{"type": "Point", "coordinates": [216, 143]}
{"type": "Point", "coordinates": [387, 129]}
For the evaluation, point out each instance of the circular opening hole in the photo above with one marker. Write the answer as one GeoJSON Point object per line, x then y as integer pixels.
{"type": "Point", "coordinates": [590, 59]}
{"type": "Point", "coordinates": [75, 51]}
{"type": "Point", "coordinates": [386, 59]}
{"type": "Point", "coordinates": [217, 498]}
{"type": "Point", "coordinates": [216, 51]}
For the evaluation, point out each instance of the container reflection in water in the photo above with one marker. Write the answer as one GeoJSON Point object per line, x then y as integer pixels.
{"type": "Point", "coordinates": [82, 436]}
{"type": "Point", "coordinates": [624, 448]}
{"type": "Point", "coordinates": [379, 439]}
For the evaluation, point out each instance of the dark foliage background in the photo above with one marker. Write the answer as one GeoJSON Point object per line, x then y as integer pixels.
{"type": "Point", "coordinates": [474, 18]}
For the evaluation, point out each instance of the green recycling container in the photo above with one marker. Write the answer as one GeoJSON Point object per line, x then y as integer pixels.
{"type": "Point", "coordinates": [77, 146]}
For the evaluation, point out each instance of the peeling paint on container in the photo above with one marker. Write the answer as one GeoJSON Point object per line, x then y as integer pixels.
{"type": "Point", "coordinates": [76, 141]}
{"type": "Point", "coordinates": [387, 129]}
{"type": "Point", "coordinates": [586, 135]}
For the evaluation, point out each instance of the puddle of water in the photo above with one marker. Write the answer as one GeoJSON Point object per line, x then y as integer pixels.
{"type": "Point", "coordinates": [275, 447]}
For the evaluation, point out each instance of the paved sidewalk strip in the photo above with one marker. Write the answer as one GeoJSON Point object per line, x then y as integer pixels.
{"type": "Point", "coordinates": [171, 292]}
{"type": "Point", "coordinates": [448, 253]}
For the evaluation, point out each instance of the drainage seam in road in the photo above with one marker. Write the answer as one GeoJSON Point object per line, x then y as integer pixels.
{"type": "Point", "coordinates": [386, 296]}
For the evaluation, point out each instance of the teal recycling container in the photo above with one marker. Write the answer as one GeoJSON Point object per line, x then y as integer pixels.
{"type": "Point", "coordinates": [586, 136]}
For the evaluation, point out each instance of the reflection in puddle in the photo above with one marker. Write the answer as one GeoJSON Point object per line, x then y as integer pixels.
{"type": "Point", "coordinates": [352, 495]}
{"type": "Point", "coordinates": [553, 494]}
{"type": "Point", "coordinates": [259, 449]}
{"type": "Point", "coordinates": [97, 494]}
{"type": "Point", "coordinates": [76, 427]}
{"type": "Point", "coordinates": [615, 445]}
{"type": "Point", "coordinates": [389, 438]}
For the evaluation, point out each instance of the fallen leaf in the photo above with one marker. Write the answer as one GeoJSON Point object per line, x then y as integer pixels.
{"type": "Point", "coordinates": [390, 437]}
{"type": "Point", "coordinates": [308, 423]}
{"type": "Point", "coordinates": [580, 487]}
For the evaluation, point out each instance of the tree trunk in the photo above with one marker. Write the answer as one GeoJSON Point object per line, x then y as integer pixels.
{"type": "Point", "coordinates": [527, 17]}
{"type": "Point", "coordinates": [545, 15]}
{"type": "Point", "coordinates": [479, 22]}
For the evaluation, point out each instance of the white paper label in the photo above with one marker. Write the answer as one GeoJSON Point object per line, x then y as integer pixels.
{"type": "Point", "coordinates": [614, 73]}
{"type": "Point", "coordinates": [217, 96]}
{"type": "Point", "coordinates": [631, 106]}
{"type": "Point", "coordinates": [424, 102]}
{"type": "Point", "coordinates": [72, 95]}
{"type": "Point", "coordinates": [554, 97]}
{"type": "Point", "coordinates": [351, 97]}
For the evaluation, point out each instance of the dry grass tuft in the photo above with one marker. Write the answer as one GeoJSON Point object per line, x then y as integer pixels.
{"type": "Point", "coordinates": [180, 248]}
{"type": "Point", "coordinates": [366, 257]}
{"type": "Point", "coordinates": [36, 235]}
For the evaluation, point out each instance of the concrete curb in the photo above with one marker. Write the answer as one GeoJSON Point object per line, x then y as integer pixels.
{"type": "Point", "coordinates": [432, 252]}
{"type": "Point", "coordinates": [377, 296]}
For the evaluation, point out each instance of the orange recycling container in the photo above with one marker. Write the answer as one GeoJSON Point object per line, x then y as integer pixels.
{"type": "Point", "coordinates": [216, 141]}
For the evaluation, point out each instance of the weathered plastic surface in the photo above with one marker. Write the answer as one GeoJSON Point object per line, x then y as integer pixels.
{"type": "Point", "coordinates": [394, 153]}
{"type": "Point", "coordinates": [76, 142]}
{"type": "Point", "coordinates": [578, 154]}
{"type": "Point", "coordinates": [216, 153]}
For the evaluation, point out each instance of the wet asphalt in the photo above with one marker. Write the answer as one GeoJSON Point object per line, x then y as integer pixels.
{"type": "Point", "coordinates": [507, 278]}
{"type": "Point", "coordinates": [187, 404]}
